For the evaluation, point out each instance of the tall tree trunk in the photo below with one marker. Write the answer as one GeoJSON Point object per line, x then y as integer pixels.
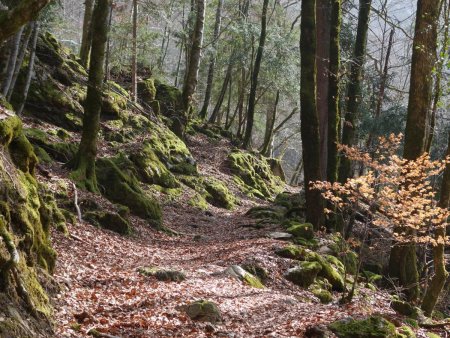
{"type": "Point", "coordinates": [15, 45]}
{"type": "Point", "coordinates": [20, 59]}
{"type": "Point", "coordinates": [108, 47]}
{"type": "Point", "coordinates": [438, 80]}
{"type": "Point", "coordinates": [354, 87]}
{"type": "Point", "coordinates": [270, 123]}
{"type": "Point", "coordinates": [212, 61]}
{"type": "Point", "coordinates": [87, 32]}
{"type": "Point", "coordinates": [308, 113]}
{"type": "Point", "coordinates": [254, 83]}
{"type": "Point", "coordinates": [323, 57]}
{"type": "Point", "coordinates": [134, 54]}
{"type": "Point", "coordinates": [84, 162]}
{"type": "Point", "coordinates": [333, 92]}
{"type": "Point", "coordinates": [403, 261]}
{"type": "Point", "coordinates": [191, 79]}
{"type": "Point", "coordinates": [24, 12]}
{"type": "Point", "coordinates": [223, 91]}
{"type": "Point", "coordinates": [26, 87]}
{"type": "Point", "coordinates": [440, 273]}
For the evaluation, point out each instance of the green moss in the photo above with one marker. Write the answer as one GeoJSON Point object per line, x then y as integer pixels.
{"type": "Point", "coordinates": [305, 274]}
{"type": "Point", "coordinates": [151, 170]}
{"type": "Point", "coordinates": [109, 220]}
{"type": "Point", "coordinates": [254, 174]}
{"type": "Point", "coordinates": [406, 332]}
{"type": "Point", "coordinates": [324, 296]}
{"type": "Point", "coordinates": [257, 271]}
{"type": "Point", "coordinates": [198, 201]}
{"type": "Point", "coordinates": [304, 230]}
{"type": "Point", "coordinates": [10, 128]}
{"type": "Point", "coordinates": [263, 212]}
{"type": "Point", "coordinates": [372, 327]}
{"type": "Point", "coordinates": [51, 215]}
{"type": "Point", "coordinates": [329, 270]}
{"type": "Point", "coordinates": [203, 310]}
{"type": "Point", "coordinates": [122, 187]}
{"type": "Point", "coordinates": [218, 194]}
{"type": "Point", "coordinates": [291, 251]}
{"type": "Point", "coordinates": [289, 200]}
{"type": "Point", "coordinates": [253, 281]}
{"type": "Point", "coordinates": [114, 106]}
{"type": "Point", "coordinates": [169, 98]}
{"type": "Point", "coordinates": [147, 94]}
{"type": "Point", "coordinates": [432, 335]}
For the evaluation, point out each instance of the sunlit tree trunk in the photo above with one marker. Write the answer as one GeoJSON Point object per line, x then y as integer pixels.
{"type": "Point", "coordinates": [87, 34]}
{"type": "Point", "coordinates": [254, 83]}
{"type": "Point", "coordinates": [223, 91]}
{"type": "Point", "coordinates": [26, 87]}
{"type": "Point", "coordinates": [212, 61]}
{"type": "Point", "coordinates": [354, 87]}
{"type": "Point", "coordinates": [191, 79]}
{"type": "Point", "coordinates": [15, 45]}
{"type": "Point", "coordinates": [84, 162]}
{"type": "Point", "coordinates": [270, 124]}
{"type": "Point", "coordinates": [308, 113]}
{"type": "Point", "coordinates": [20, 59]}
{"type": "Point", "coordinates": [403, 261]}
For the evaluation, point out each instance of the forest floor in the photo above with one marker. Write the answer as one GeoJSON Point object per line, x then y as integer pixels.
{"type": "Point", "coordinates": [102, 289]}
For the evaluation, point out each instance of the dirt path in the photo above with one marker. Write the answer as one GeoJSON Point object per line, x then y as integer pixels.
{"type": "Point", "coordinates": [101, 286]}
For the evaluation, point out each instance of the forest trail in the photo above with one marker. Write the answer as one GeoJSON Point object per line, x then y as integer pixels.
{"type": "Point", "coordinates": [102, 289]}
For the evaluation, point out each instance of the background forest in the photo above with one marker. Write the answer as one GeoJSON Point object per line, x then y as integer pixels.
{"type": "Point", "coordinates": [167, 149]}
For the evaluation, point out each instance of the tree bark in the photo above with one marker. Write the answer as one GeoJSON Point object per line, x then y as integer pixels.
{"type": "Point", "coordinates": [308, 114]}
{"type": "Point", "coordinates": [270, 123]}
{"type": "Point", "coordinates": [215, 114]}
{"type": "Point", "coordinates": [84, 162]}
{"type": "Point", "coordinates": [87, 33]}
{"type": "Point", "coordinates": [134, 54]}
{"type": "Point", "coordinates": [20, 59]}
{"type": "Point", "coordinates": [403, 261]}
{"type": "Point", "coordinates": [440, 273]}
{"type": "Point", "coordinates": [354, 87]}
{"type": "Point", "coordinates": [24, 12]}
{"type": "Point", "coordinates": [212, 61]}
{"type": "Point", "coordinates": [334, 93]}
{"type": "Point", "coordinates": [15, 45]}
{"type": "Point", "coordinates": [26, 87]}
{"type": "Point", "coordinates": [323, 57]}
{"type": "Point", "coordinates": [191, 79]}
{"type": "Point", "coordinates": [254, 83]}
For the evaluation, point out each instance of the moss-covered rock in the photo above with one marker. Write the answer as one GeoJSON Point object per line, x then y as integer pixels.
{"type": "Point", "coordinates": [147, 95]}
{"type": "Point", "coordinates": [406, 332]}
{"type": "Point", "coordinates": [299, 230]}
{"type": "Point", "coordinates": [254, 175]}
{"type": "Point", "coordinates": [271, 213]}
{"type": "Point", "coordinates": [238, 272]}
{"type": "Point", "coordinates": [304, 274]}
{"type": "Point", "coordinates": [331, 270]}
{"type": "Point", "coordinates": [406, 309]}
{"type": "Point", "coordinates": [291, 251]}
{"type": "Point", "coordinates": [324, 296]}
{"type": "Point", "coordinates": [109, 220]}
{"type": "Point", "coordinates": [372, 327]}
{"type": "Point", "coordinates": [205, 311]}
{"type": "Point", "coordinates": [289, 200]}
{"type": "Point", "coordinates": [169, 98]}
{"type": "Point", "coordinates": [218, 194]}
{"type": "Point", "coordinates": [60, 151]}
{"type": "Point", "coordinates": [166, 275]}
{"type": "Point", "coordinates": [122, 187]}
{"type": "Point", "coordinates": [257, 271]}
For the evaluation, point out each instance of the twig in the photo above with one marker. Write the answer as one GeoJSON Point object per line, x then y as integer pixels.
{"type": "Point", "coordinates": [75, 202]}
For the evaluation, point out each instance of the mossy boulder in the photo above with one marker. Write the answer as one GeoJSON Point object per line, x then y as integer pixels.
{"type": "Point", "coordinates": [241, 274]}
{"type": "Point", "coordinates": [407, 309]}
{"type": "Point", "coordinates": [60, 151]}
{"type": "Point", "coordinates": [25, 224]}
{"type": "Point", "coordinates": [405, 332]}
{"type": "Point", "coordinates": [150, 168]}
{"type": "Point", "coordinates": [147, 94]}
{"type": "Point", "coordinates": [272, 213]}
{"type": "Point", "coordinates": [304, 274]}
{"type": "Point", "coordinates": [331, 269]}
{"type": "Point", "coordinates": [256, 270]}
{"type": "Point", "coordinates": [371, 327]}
{"type": "Point", "coordinates": [289, 200]}
{"type": "Point", "coordinates": [109, 220]}
{"type": "Point", "coordinates": [291, 251]}
{"type": "Point", "coordinates": [161, 274]}
{"type": "Point", "coordinates": [253, 174]}
{"type": "Point", "coordinates": [169, 98]}
{"type": "Point", "coordinates": [204, 311]}
{"type": "Point", "coordinates": [122, 187]}
{"type": "Point", "coordinates": [300, 230]}
{"type": "Point", "coordinates": [324, 296]}
{"type": "Point", "coordinates": [218, 194]}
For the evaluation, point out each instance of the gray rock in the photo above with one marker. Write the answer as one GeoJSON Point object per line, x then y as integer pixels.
{"type": "Point", "coordinates": [284, 236]}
